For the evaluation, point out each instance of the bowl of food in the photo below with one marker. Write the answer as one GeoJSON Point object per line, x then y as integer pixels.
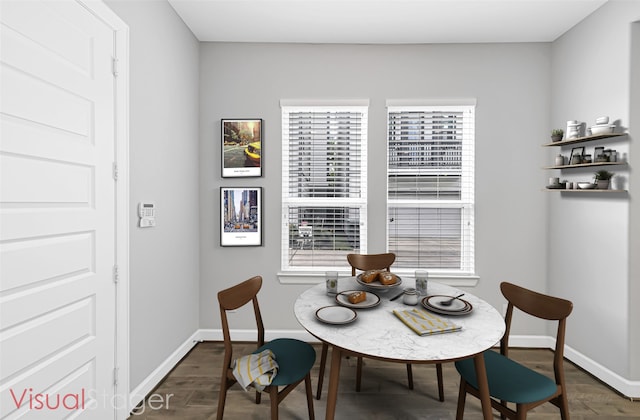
{"type": "Point", "coordinates": [586, 185]}
{"type": "Point", "coordinates": [379, 280]}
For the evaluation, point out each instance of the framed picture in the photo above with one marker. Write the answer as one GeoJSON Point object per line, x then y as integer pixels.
{"type": "Point", "coordinates": [599, 155]}
{"type": "Point", "coordinates": [576, 151]}
{"type": "Point", "coordinates": [240, 216]}
{"type": "Point", "coordinates": [241, 148]}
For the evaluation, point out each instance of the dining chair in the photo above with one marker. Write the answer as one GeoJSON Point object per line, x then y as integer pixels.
{"type": "Point", "coordinates": [295, 358]}
{"type": "Point", "coordinates": [364, 262]}
{"type": "Point", "coordinates": [511, 382]}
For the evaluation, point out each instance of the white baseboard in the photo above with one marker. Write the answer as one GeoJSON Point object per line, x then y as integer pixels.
{"type": "Point", "coordinates": [251, 335]}
{"type": "Point", "coordinates": [626, 387]}
{"type": "Point", "coordinates": [150, 382]}
{"type": "Point", "coordinates": [532, 341]}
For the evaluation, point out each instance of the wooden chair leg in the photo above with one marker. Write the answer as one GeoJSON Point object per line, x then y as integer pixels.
{"type": "Point", "coordinates": [258, 397]}
{"type": "Point", "coordinates": [440, 382]}
{"type": "Point", "coordinates": [273, 395]}
{"type": "Point", "coordinates": [358, 374]}
{"type": "Point", "coordinates": [309, 389]}
{"type": "Point", "coordinates": [323, 363]}
{"type": "Point", "coordinates": [409, 376]}
{"type": "Point", "coordinates": [564, 406]}
{"type": "Point", "coordinates": [462, 397]}
{"type": "Point", "coordinates": [221, 399]}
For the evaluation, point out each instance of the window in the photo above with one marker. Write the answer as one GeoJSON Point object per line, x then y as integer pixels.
{"type": "Point", "coordinates": [324, 194]}
{"type": "Point", "coordinates": [431, 187]}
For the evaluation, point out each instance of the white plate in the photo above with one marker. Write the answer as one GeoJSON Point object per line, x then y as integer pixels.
{"type": "Point", "coordinates": [372, 300]}
{"type": "Point", "coordinates": [457, 304]}
{"type": "Point", "coordinates": [448, 313]}
{"type": "Point", "coordinates": [377, 286]}
{"type": "Point", "coordinates": [336, 315]}
{"type": "Point", "coordinates": [425, 303]}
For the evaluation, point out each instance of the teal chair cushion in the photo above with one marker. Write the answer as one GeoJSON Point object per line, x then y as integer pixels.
{"type": "Point", "coordinates": [508, 380]}
{"type": "Point", "coordinates": [295, 359]}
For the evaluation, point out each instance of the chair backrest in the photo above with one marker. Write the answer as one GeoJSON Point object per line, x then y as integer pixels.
{"type": "Point", "coordinates": [540, 306]}
{"type": "Point", "coordinates": [234, 298]}
{"type": "Point", "coordinates": [366, 262]}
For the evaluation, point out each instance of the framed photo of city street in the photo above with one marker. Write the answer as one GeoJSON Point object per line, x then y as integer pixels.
{"type": "Point", "coordinates": [240, 216]}
{"type": "Point", "coordinates": [241, 148]}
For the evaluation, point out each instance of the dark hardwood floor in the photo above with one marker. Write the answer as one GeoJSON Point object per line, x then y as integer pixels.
{"type": "Point", "coordinates": [190, 391]}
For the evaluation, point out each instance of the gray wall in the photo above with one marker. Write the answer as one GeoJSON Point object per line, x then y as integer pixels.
{"type": "Point", "coordinates": [634, 207]}
{"type": "Point", "coordinates": [511, 84]}
{"type": "Point", "coordinates": [592, 252]}
{"type": "Point", "coordinates": [523, 235]}
{"type": "Point", "coordinates": [164, 266]}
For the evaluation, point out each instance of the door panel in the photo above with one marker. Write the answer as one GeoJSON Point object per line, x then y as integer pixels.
{"type": "Point", "coordinates": [57, 200]}
{"type": "Point", "coordinates": [52, 332]}
{"type": "Point", "coordinates": [53, 107]}
{"type": "Point", "coordinates": [57, 29]}
{"type": "Point", "coordinates": [45, 181]}
{"type": "Point", "coordinates": [66, 276]}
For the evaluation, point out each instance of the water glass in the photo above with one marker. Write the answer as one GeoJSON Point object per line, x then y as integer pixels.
{"type": "Point", "coordinates": [421, 281]}
{"type": "Point", "coordinates": [331, 278]}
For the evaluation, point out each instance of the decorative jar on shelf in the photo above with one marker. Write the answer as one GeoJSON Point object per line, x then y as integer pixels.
{"type": "Point", "coordinates": [559, 160]}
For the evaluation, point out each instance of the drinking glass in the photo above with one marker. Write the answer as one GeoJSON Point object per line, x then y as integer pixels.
{"type": "Point", "coordinates": [331, 278]}
{"type": "Point", "coordinates": [421, 281]}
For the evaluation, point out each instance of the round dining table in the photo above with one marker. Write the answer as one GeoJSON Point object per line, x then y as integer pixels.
{"type": "Point", "coordinates": [375, 331]}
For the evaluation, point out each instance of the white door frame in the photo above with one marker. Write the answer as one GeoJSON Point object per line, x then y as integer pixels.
{"type": "Point", "coordinates": [122, 402]}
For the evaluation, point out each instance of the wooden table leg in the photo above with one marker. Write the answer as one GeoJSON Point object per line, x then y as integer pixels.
{"type": "Point", "coordinates": [483, 385]}
{"type": "Point", "coordinates": [334, 379]}
{"type": "Point", "coordinates": [323, 363]}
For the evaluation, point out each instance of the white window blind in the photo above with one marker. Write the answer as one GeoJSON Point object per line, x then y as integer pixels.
{"type": "Point", "coordinates": [324, 194]}
{"type": "Point", "coordinates": [431, 187]}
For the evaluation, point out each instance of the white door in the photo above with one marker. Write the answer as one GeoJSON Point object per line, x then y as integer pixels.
{"type": "Point", "coordinates": [57, 233]}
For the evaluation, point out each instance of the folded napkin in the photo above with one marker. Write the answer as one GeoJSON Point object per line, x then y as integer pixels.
{"type": "Point", "coordinates": [423, 322]}
{"type": "Point", "coordinates": [256, 369]}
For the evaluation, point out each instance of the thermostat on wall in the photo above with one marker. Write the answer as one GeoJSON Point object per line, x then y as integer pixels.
{"type": "Point", "coordinates": [147, 215]}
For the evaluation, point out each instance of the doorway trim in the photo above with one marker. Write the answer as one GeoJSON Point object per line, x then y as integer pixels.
{"type": "Point", "coordinates": [122, 399]}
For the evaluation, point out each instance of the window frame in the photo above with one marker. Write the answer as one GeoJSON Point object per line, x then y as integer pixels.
{"type": "Point", "coordinates": [466, 202]}
{"type": "Point", "coordinates": [287, 200]}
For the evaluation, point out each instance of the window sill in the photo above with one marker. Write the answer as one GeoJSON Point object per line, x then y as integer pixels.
{"type": "Point", "coordinates": [297, 277]}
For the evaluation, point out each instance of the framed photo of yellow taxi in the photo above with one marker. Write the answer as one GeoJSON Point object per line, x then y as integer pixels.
{"type": "Point", "coordinates": [241, 148]}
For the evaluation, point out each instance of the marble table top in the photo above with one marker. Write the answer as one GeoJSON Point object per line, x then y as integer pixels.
{"type": "Point", "coordinates": [378, 333]}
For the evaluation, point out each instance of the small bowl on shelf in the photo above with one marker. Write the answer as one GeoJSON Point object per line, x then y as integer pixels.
{"type": "Point", "coordinates": [601, 129]}
{"type": "Point", "coordinates": [586, 185]}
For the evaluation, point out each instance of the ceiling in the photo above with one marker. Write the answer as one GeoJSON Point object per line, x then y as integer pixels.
{"type": "Point", "coordinates": [382, 21]}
